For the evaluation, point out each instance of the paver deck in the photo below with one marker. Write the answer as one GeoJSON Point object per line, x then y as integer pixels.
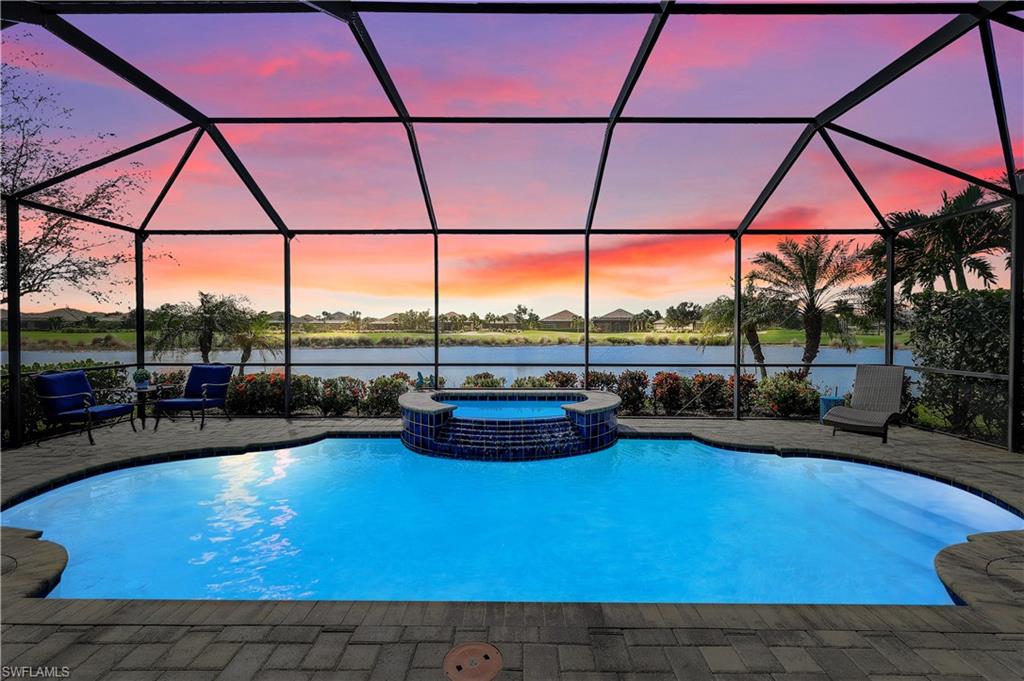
{"type": "Point", "coordinates": [398, 641]}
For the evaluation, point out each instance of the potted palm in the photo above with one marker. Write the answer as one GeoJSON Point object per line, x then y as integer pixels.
{"type": "Point", "coordinates": [141, 378]}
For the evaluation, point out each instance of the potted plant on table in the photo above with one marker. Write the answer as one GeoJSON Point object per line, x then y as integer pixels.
{"type": "Point", "coordinates": [141, 378]}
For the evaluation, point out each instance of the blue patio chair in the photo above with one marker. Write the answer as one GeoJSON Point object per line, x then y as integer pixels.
{"type": "Point", "coordinates": [67, 397]}
{"type": "Point", "coordinates": [205, 388]}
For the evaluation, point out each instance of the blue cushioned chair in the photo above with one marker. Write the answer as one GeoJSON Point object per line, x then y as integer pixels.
{"type": "Point", "coordinates": [67, 397]}
{"type": "Point", "coordinates": [206, 388]}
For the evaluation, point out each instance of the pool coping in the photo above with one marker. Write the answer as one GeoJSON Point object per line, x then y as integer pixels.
{"type": "Point", "coordinates": [423, 402]}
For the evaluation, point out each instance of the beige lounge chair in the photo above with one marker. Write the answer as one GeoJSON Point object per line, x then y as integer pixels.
{"type": "Point", "coordinates": [877, 390]}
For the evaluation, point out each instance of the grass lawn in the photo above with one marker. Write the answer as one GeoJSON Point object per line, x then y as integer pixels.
{"type": "Point", "coordinates": [115, 339]}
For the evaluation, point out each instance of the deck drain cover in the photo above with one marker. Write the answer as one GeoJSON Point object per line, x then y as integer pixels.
{"type": "Point", "coordinates": [472, 662]}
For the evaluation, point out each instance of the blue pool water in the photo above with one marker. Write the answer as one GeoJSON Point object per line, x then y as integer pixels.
{"type": "Point", "coordinates": [645, 520]}
{"type": "Point", "coordinates": [507, 409]}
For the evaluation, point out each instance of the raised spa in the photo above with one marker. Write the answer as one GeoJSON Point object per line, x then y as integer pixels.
{"type": "Point", "coordinates": [642, 521]}
{"type": "Point", "coordinates": [508, 425]}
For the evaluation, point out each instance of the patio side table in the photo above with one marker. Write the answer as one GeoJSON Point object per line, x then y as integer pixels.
{"type": "Point", "coordinates": [143, 399]}
{"type": "Point", "coordinates": [825, 403]}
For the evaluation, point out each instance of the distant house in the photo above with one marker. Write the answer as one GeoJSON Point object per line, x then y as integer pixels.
{"type": "Point", "coordinates": [278, 318]}
{"type": "Point", "coordinates": [452, 321]}
{"type": "Point", "coordinates": [562, 321]}
{"type": "Point", "coordinates": [660, 325]}
{"type": "Point", "coordinates": [505, 322]}
{"type": "Point", "coordinates": [616, 321]}
{"type": "Point", "coordinates": [389, 323]}
{"type": "Point", "coordinates": [335, 319]}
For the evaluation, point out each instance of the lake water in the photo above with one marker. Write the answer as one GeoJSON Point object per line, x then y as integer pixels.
{"type": "Point", "coordinates": [653, 358]}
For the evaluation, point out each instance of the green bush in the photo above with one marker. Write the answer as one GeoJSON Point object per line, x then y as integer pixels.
{"type": "Point", "coordinates": [747, 385]}
{"type": "Point", "coordinates": [32, 412]}
{"type": "Point", "coordinates": [484, 379]}
{"type": "Point", "coordinates": [382, 395]}
{"type": "Point", "coordinates": [785, 394]}
{"type": "Point", "coordinates": [532, 382]}
{"type": "Point", "coordinates": [711, 393]}
{"type": "Point", "coordinates": [171, 382]}
{"type": "Point", "coordinates": [968, 331]}
{"type": "Point", "coordinates": [338, 396]}
{"type": "Point", "coordinates": [603, 380]}
{"type": "Point", "coordinates": [671, 391]}
{"type": "Point", "coordinates": [263, 393]}
{"type": "Point", "coordinates": [632, 390]}
{"type": "Point", "coordinates": [562, 379]}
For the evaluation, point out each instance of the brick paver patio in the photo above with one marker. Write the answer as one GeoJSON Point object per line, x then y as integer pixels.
{"type": "Point", "coordinates": [398, 641]}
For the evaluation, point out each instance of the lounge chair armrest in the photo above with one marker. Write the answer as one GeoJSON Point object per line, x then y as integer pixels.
{"type": "Point", "coordinates": [61, 397]}
{"type": "Point", "coordinates": [204, 386]}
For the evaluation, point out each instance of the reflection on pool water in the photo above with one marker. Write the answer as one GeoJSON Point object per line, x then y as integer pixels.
{"type": "Point", "coordinates": [646, 520]}
{"type": "Point", "coordinates": [507, 409]}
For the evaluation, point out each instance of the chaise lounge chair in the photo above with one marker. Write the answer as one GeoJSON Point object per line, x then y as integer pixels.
{"type": "Point", "coordinates": [877, 390]}
{"type": "Point", "coordinates": [67, 397]}
{"type": "Point", "coordinates": [205, 388]}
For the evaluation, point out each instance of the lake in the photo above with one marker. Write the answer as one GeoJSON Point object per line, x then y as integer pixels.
{"type": "Point", "coordinates": [653, 358]}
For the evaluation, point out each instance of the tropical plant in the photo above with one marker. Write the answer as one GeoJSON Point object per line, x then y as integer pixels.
{"type": "Point", "coordinates": [683, 314]}
{"type": "Point", "coordinates": [759, 309]}
{"type": "Point", "coordinates": [947, 249]}
{"type": "Point", "coordinates": [382, 395]}
{"type": "Point", "coordinates": [710, 393]}
{"type": "Point", "coordinates": [747, 385]}
{"type": "Point", "coordinates": [484, 379]}
{"type": "Point", "coordinates": [186, 327]}
{"type": "Point", "coordinates": [340, 395]}
{"type": "Point", "coordinates": [785, 394]}
{"type": "Point", "coordinates": [254, 333]}
{"type": "Point", "coordinates": [810, 274]}
{"type": "Point", "coordinates": [532, 382]}
{"type": "Point", "coordinates": [562, 379]}
{"type": "Point", "coordinates": [671, 391]}
{"type": "Point", "coordinates": [632, 390]}
{"type": "Point", "coordinates": [966, 331]}
{"type": "Point", "coordinates": [603, 380]}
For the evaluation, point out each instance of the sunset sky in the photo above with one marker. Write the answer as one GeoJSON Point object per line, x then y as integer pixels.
{"type": "Point", "coordinates": [502, 176]}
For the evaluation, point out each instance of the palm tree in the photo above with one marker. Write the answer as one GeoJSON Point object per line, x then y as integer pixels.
{"type": "Point", "coordinates": [357, 319]}
{"type": "Point", "coordinates": [809, 274]}
{"type": "Point", "coordinates": [758, 310]}
{"type": "Point", "coordinates": [256, 334]}
{"type": "Point", "coordinates": [945, 250]}
{"type": "Point", "coordinates": [184, 326]}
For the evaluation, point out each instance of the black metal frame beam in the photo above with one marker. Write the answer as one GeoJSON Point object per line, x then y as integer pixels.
{"type": "Point", "coordinates": [13, 236]}
{"type": "Point", "coordinates": [920, 160]}
{"type": "Point", "coordinates": [992, 68]}
{"type": "Point", "coordinates": [967, 17]}
{"type": "Point", "coordinates": [882, 222]}
{"type": "Point", "coordinates": [193, 143]}
{"type": "Point", "coordinates": [643, 53]}
{"type": "Point", "coordinates": [752, 8]}
{"type": "Point", "coordinates": [100, 162]}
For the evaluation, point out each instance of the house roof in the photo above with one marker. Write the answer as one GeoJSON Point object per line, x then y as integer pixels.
{"type": "Point", "coordinates": [563, 316]}
{"type": "Point", "coordinates": [68, 314]}
{"type": "Point", "coordinates": [390, 319]}
{"type": "Point", "coordinates": [618, 314]}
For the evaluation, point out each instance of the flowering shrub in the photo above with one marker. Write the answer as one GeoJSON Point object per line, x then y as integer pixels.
{"type": "Point", "coordinates": [603, 380]}
{"type": "Point", "coordinates": [632, 390]}
{"type": "Point", "coordinates": [562, 379]}
{"type": "Point", "coordinates": [711, 393]}
{"type": "Point", "coordinates": [338, 396]}
{"type": "Point", "coordinates": [747, 385]}
{"type": "Point", "coordinates": [532, 382]}
{"type": "Point", "coordinates": [382, 395]}
{"type": "Point", "coordinates": [785, 394]}
{"type": "Point", "coordinates": [671, 391]}
{"type": "Point", "coordinates": [171, 382]}
{"type": "Point", "coordinates": [263, 393]}
{"type": "Point", "coordinates": [484, 379]}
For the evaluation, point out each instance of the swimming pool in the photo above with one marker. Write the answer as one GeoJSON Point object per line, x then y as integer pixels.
{"type": "Point", "coordinates": [505, 410]}
{"type": "Point", "coordinates": [645, 520]}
